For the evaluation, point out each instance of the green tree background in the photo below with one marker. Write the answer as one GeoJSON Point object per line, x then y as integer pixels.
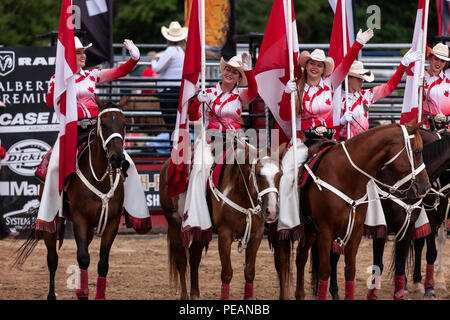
{"type": "Point", "coordinates": [141, 20]}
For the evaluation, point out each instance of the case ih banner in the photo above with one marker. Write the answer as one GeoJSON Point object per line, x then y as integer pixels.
{"type": "Point", "coordinates": [29, 128]}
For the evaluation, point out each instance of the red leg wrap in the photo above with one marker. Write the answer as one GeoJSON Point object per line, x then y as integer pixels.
{"type": "Point", "coordinates": [322, 291]}
{"type": "Point", "coordinates": [225, 291]}
{"type": "Point", "coordinates": [372, 294]}
{"type": "Point", "coordinates": [349, 290]}
{"type": "Point", "coordinates": [429, 277]}
{"type": "Point", "coordinates": [83, 292]}
{"type": "Point", "coordinates": [399, 293]}
{"type": "Point", "coordinates": [248, 291]}
{"type": "Point", "coordinates": [101, 288]}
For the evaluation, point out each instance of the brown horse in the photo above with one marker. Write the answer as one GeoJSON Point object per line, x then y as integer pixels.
{"type": "Point", "coordinates": [328, 216]}
{"type": "Point", "coordinates": [252, 183]}
{"type": "Point", "coordinates": [94, 208]}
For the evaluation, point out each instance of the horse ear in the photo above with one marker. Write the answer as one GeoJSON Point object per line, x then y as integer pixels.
{"type": "Point", "coordinates": [99, 102]}
{"type": "Point", "coordinates": [123, 102]}
{"type": "Point", "coordinates": [413, 126]}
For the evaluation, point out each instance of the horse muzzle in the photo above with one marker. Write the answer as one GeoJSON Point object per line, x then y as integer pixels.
{"type": "Point", "coordinates": [116, 160]}
{"type": "Point", "coordinates": [418, 190]}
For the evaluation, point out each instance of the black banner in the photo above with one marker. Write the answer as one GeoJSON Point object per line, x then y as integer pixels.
{"type": "Point", "coordinates": [28, 128]}
{"type": "Point", "coordinates": [96, 22]}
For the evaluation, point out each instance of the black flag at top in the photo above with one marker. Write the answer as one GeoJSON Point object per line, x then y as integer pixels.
{"type": "Point", "coordinates": [96, 27]}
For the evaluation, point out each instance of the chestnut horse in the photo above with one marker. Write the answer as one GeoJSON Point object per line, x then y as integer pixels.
{"type": "Point", "coordinates": [244, 186]}
{"type": "Point", "coordinates": [337, 209]}
{"type": "Point", "coordinates": [436, 157]}
{"type": "Point", "coordinates": [97, 207]}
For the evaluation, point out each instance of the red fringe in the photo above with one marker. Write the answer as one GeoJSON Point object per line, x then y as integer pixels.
{"type": "Point", "coordinates": [422, 231]}
{"type": "Point", "coordinates": [290, 234]}
{"type": "Point", "coordinates": [375, 232]}
{"type": "Point", "coordinates": [336, 249]}
{"type": "Point", "coordinates": [140, 225]}
{"type": "Point", "coordinates": [46, 226]}
{"type": "Point", "coordinates": [197, 234]}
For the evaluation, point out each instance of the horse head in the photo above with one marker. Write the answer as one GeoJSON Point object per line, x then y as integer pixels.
{"type": "Point", "coordinates": [409, 166]}
{"type": "Point", "coordinates": [111, 131]}
{"type": "Point", "coordinates": [265, 174]}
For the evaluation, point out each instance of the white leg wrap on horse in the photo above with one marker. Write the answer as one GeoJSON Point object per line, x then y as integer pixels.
{"type": "Point", "coordinates": [289, 203]}
{"type": "Point", "coordinates": [51, 199]}
{"type": "Point", "coordinates": [195, 203]}
{"type": "Point", "coordinates": [134, 197]}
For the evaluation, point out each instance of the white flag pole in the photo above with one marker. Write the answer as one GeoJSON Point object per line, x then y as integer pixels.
{"type": "Point", "coordinates": [202, 78]}
{"type": "Point", "coordinates": [422, 69]}
{"type": "Point", "coordinates": [291, 77]}
{"type": "Point", "coordinates": [344, 44]}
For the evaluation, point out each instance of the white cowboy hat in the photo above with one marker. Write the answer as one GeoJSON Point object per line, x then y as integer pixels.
{"type": "Point", "coordinates": [175, 32]}
{"type": "Point", "coordinates": [235, 62]}
{"type": "Point", "coordinates": [317, 55]}
{"type": "Point", "coordinates": [441, 51]}
{"type": "Point", "coordinates": [79, 45]}
{"type": "Point", "coordinates": [357, 70]}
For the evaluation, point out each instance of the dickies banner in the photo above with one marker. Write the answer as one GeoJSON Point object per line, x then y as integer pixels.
{"type": "Point", "coordinates": [28, 128]}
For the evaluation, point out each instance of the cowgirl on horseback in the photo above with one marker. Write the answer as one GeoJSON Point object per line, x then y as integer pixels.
{"type": "Point", "coordinates": [314, 96]}
{"type": "Point", "coordinates": [357, 111]}
{"type": "Point", "coordinates": [86, 82]}
{"type": "Point", "coordinates": [436, 89]}
{"type": "Point", "coordinates": [223, 108]}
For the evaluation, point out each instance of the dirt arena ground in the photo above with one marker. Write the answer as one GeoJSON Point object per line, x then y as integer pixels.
{"type": "Point", "coordinates": [138, 271]}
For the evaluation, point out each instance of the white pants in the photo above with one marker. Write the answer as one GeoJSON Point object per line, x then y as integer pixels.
{"type": "Point", "coordinates": [195, 207]}
{"type": "Point", "coordinates": [134, 197]}
{"type": "Point", "coordinates": [289, 203]}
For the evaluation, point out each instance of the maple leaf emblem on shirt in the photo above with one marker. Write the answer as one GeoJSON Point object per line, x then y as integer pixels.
{"type": "Point", "coordinates": [328, 101]}
{"type": "Point", "coordinates": [91, 89]}
{"type": "Point", "coordinates": [446, 93]}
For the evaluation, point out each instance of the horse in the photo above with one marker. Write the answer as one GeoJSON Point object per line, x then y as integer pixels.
{"type": "Point", "coordinates": [335, 208]}
{"type": "Point", "coordinates": [436, 157]}
{"type": "Point", "coordinates": [92, 204]}
{"type": "Point", "coordinates": [233, 213]}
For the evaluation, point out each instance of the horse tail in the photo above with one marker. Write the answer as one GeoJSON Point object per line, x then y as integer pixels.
{"type": "Point", "coordinates": [25, 250]}
{"type": "Point", "coordinates": [409, 247]}
{"type": "Point", "coordinates": [60, 229]}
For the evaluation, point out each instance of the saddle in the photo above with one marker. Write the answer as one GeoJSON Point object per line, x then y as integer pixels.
{"type": "Point", "coordinates": [84, 127]}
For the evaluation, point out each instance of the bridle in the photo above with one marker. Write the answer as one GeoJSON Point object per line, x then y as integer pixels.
{"type": "Point", "coordinates": [408, 149]}
{"type": "Point", "coordinates": [114, 181]}
{"type": "Point", "coordinates": [253, 210]}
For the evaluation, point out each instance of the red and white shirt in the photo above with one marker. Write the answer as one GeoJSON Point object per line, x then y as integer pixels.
{"type": "Point", "coordinates": [224, 109]}
{"type": "Point", "coordinates": [86, 82]}
{"type": "Point", "coordinates": [357, 100]}
{"type": "Point", "coordinates": [317, 106]}
{"type": "Point", "coordinates": [436, 93]}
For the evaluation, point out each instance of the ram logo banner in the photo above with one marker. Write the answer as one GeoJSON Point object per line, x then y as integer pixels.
{"type": "Point", "coordinates": [7, 62]}
{"type": "Point", "coordinates": [25, 156]}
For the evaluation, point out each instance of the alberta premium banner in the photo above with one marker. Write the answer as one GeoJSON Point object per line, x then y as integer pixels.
{"type": "Point", "coordinates": [28, 128]}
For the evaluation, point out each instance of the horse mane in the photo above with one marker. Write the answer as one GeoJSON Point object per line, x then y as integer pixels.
{"type": "Point", "coordinates": [435, 149]}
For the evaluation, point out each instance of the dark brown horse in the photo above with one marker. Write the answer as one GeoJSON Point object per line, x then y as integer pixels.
{"type": "Point", "coordinates": [261, 177]}
{"type": "Point", "coordinates": [328, 216]}
{"type": "Point", "coordinates": [84, 205]}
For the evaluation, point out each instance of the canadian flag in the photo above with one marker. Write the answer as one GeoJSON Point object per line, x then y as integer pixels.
{"type": "Point", "coordinates": [178, 171]}
{"type": "Point", "coordinates": [336, 52]}
{"type": "Point", "coordinates": [64, 98]}
{"type": "Point", "coordinates": [411, 96]}
{"type": "Point", "coordinates": [272, 66]}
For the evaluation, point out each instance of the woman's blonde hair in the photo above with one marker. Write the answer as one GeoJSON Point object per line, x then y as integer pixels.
{"type": "Point", "coordinates": [300, 90]}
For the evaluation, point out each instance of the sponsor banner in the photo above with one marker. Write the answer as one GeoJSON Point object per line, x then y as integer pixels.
{"type": "Point", "coordinates": [28, 129]}
{"type": "Point", "coordinates": [150, 184]}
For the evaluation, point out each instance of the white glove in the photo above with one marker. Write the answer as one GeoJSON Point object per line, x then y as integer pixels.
{"type": "Point", "coordinates": [411, 56]}
{"type": "Point", "coordinates": [132, 49]}
{"type": "Point", "coordinates": [202, 96]}
{"type": "Point", "coordinates": [291, 86]}
{"type": "Point", "coordinates": [246, 61]}
{"type": "Point", "coordinates": [347, 117]}
{"type": "Point", "coordinates": [364, 37]}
